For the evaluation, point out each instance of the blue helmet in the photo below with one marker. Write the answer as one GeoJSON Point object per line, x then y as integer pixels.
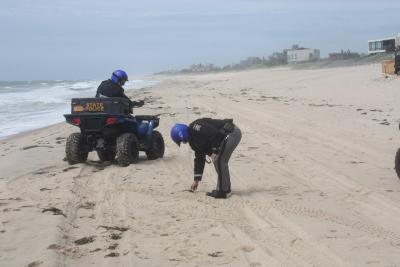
{"type": "Point", "coordinates": [119, 77]}
{"type": "Point", "coordinates": [180, 133]}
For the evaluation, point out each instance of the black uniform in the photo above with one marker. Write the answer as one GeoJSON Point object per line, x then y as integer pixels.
{"type": "Point", "coordinates": [206, 136]}
{"type": "Point", "coordinates": [109, 89]}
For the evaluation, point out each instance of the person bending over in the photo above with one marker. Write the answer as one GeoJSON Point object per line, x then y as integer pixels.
{"type": "Point", "coordinates": [215, 138]}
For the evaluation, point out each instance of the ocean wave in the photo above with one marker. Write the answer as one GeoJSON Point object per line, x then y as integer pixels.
{"type": "Point", "coordinates": [83, 86]}
{"type": "Point", "coordinates": [34, 104]}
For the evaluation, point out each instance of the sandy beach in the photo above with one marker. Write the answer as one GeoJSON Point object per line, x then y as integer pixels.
{"type": "Point", "coordinates": [313, 180]}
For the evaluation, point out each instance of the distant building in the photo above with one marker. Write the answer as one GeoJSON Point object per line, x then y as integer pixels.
{"type": "Point", "coordinates": [297, 54]}
{"type": "Point", "coordinates": [343, 55]}
{"type": "Point", "coordinates": [383, 45]}
{"type": "Point", "coordinates": [202, 67]}
{"type": "Point", "coordinates": [250, 61]}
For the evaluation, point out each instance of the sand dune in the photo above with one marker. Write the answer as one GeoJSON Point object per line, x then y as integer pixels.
{"type": "Point", "coordinates": [313, 180]}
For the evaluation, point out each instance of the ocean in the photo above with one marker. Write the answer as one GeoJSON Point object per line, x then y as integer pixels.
{"type": "Point", "coordinates": [28, 105]}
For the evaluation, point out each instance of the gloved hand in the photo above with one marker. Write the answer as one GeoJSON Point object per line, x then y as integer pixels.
{"type": "Point", "coordinates": [228, 127]}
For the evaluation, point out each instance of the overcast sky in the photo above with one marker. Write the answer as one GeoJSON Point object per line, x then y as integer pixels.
{"type": "Point", "coordinates": [87, 39]}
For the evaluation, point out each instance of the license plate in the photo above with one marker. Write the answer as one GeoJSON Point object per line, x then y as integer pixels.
{"type": "Point", "coordinates": [95, 107]}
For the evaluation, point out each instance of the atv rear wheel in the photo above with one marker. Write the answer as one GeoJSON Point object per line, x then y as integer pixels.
{"type": "Point", "coordinates": [157, 147]}
{"type": "Point", "coordinates": [397, 163]}
{"type": "Point", "coordinates": [76, 149]}
{"type": "Point", "coordinates": [106, 155]}
{"type": "Point", "coordinates": [127, 149]}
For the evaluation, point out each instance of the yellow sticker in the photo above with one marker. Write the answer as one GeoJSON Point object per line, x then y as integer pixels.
{"type": "Point", "coordinates": [95, 107]}
{"type": "Point", "coordinates": [78, 108]}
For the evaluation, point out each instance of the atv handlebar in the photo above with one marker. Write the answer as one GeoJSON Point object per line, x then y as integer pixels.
{"type": "Point", "coordinates": [133, 104]}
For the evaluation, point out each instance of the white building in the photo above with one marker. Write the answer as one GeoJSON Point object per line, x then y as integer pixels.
{"type": "Point", "coordinates": [302, 55]}
{"type": "Point", "coordinates": [383, 45]}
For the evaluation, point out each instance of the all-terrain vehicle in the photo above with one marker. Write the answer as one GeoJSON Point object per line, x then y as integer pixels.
{"type": "Point", "coordinates": [107, 127]}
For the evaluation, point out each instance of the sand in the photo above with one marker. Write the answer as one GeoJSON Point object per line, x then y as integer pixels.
{"type": "Point", "coordinates": [313, 180]}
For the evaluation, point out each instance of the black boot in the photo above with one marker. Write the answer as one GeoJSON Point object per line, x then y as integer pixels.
{"type": "Point", "coordinates": [218, 194]}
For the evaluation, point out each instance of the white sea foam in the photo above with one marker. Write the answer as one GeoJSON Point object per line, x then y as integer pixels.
{"type": "Point", "coordinates": [30, 105]}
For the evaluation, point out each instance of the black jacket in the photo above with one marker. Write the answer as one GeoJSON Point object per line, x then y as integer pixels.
{"type": "Point", "coordinates": [109, 89]}
{"type": "Point", "coordinates": [205, 138]}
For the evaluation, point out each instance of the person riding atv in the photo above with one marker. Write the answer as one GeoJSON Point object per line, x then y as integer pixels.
{"type": "Point", "coordinates": [107, 125]}
{"type": "Point", "coordinates": [113, 88]}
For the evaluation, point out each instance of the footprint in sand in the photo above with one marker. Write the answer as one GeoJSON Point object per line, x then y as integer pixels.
{"type": "Point", "coordinates": [115, 228]}
{"type": "Point", "coordinates": [216, 254]}
{"type": "Point", "coordinates": [113, 246]}
{"type": "Point", "coordinates": [85, 240]}
{"type": "Point", "coordinates": [55, 211]}
{"type": "Point", "coordinates": [46, 189]}
{"type": "Point", "coordinates": [247, 248]}
{"type": "Point", "coordinates": [40, 172]}
{"type": "Point", "coordinates": [356, 162]}
{"type": "Point", "coordinates": [115, 236]}
{"type": "Point", "coordinates": [69, 168]}
{"type": "Point", "coordinates": [112, 254]}
{"type": "Point", "coordinates": [35, 264]}
{"type": "Point", "coordinates": [54, 247]}
{"type": "Point", "coordinates": [87, 205]}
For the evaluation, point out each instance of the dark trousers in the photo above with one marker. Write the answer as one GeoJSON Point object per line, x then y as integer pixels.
{"type": "Point", "coordinates": [221, 162]}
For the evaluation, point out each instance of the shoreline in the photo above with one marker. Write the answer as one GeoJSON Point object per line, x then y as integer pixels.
{"type": "Point", "coordinates": [130, 91]}
{"type": "Point", "coordinates": [29, 132]}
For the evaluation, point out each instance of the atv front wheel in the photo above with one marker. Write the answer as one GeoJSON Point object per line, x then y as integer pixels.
{"type": "Point", "coordinates": [106, 155]}
{"type": "Point", "coordinates": [76, 149]}
{"type": "Point", "coordinates": [127, 149]}
{"type": "Point", "coordinates": [157, 147]}
{"type": "Point", "coordinates": [397, 163]}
